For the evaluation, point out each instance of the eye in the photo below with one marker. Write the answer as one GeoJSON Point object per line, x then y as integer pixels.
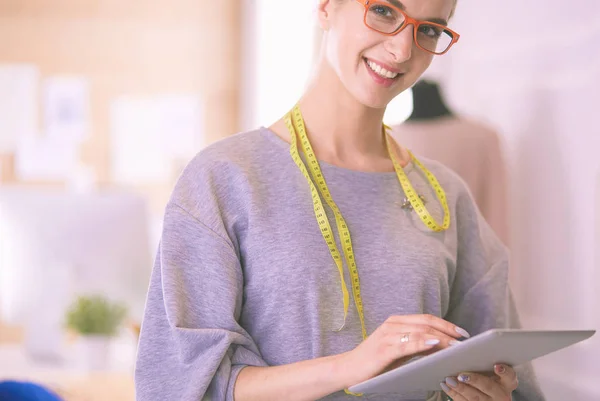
{"type": "Point", "coordinates": [431, 31]}
{"type": "Point", "coordinates": [383, 11]}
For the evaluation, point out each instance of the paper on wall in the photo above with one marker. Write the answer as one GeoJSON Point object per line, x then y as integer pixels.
{"type": "Point", "coordinates": [46, 158]}
{"type": "Point", "coordinates": [181, 120]}
{"type": "Point", "coordinates": [149, 133]}
{"type": "Point", "coordinates": [137, 151]}
{"type": "Point", "coordinates": [18, 104]}
{"type": "Point", "coordinates": [82, 180]}
{"type": "Point", "coordinates": [67, 107]}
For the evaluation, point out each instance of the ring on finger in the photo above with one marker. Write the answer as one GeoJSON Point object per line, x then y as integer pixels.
{"type": "Point", "coordinates": [405, 338]}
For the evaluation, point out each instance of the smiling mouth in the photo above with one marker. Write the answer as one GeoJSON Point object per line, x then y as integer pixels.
{"type": "Point", "coordinates": [381, 71]}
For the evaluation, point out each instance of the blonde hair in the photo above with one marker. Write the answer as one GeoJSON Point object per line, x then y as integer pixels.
{"type": "Point", "coordinates": [451, 13]}
{"type": "Point", "coordinates": [453, 8]}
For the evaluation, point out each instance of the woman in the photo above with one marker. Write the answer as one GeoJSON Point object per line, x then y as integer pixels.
{"type": "Point", "coordinates": [249, 297]}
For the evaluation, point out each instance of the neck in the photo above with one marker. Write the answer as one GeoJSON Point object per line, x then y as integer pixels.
{"type": "Point", "coordinates": [339, 127]}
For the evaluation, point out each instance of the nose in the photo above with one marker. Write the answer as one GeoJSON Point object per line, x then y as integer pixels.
{"type": "Point", "coordinates": [400, 45]}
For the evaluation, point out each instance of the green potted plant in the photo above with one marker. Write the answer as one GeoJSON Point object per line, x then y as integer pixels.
{"type": "Point", "coordinates": [96, 320]}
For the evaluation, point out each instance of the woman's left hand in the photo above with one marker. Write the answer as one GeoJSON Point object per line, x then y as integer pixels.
{"type": "Point", "coordinates": [477, 387]}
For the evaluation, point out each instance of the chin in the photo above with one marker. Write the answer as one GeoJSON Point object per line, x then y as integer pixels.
{"type": "Point", "coordinates": [376, 99]}
{"type": "Point", "coordinates": [374, 102]}
{"type": "Point", "coordinates": [373, 94]}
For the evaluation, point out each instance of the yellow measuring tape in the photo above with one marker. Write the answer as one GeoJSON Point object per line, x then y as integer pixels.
{"type": "Point", "coordinates": [295, 125]}
{"type": "Point", "coordinates": [414, 198]}
{"type": "Point", "coordinates": [322, 219]}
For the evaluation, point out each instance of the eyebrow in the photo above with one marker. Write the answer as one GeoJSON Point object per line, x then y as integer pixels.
{"type": "Point", "coordinates": [398, 4]}
{"type": "Point", "coordinates": [440, 21]}
{"type": "Point", "coordinates": [402, 7]}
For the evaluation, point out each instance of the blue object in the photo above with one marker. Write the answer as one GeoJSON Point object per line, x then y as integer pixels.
{"type": "Point", "coordinates": [24, 391]}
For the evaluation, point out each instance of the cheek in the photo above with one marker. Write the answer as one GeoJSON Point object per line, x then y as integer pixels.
{"type": "Point", "coordinates": [346, 46]}
{"type": "Point", "coordinates": [423, 61]}
{"type": "Point", "coordinates": [419, 64]}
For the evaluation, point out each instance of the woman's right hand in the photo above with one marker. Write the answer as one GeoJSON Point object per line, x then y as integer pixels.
{"type": "Point", "coordinates": [397, 340]}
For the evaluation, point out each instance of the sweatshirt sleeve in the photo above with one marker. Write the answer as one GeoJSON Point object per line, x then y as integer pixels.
{"type": "Point", "coordinates": [191, 345]}
{"type": "Point", "coordinates": [481, 298]}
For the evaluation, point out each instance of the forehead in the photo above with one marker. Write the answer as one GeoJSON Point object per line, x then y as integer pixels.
{"type": "Point", "coordinates": [424, 8]}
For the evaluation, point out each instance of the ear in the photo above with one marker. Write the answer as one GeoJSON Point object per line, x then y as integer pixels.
{"type": "Point", "coordinates": [324, 10]}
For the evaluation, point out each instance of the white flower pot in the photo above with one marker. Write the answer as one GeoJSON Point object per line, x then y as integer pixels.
{"type": "Point", "coordinates": [94, 352]}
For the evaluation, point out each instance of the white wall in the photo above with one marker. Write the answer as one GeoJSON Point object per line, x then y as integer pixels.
{"type": "Point", "coordinates": [278, 55]}
{"type": "Point", "coordinates": [531, 68]}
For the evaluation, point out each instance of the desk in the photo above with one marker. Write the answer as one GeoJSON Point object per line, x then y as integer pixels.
{"type": "Point", "coordinates": [71, 383]}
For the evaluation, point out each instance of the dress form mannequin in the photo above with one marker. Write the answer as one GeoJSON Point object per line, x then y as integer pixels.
{"type": "Point", "coordinates": [428, 102]}
{"type": "Point", "coordinates": [468, 147]}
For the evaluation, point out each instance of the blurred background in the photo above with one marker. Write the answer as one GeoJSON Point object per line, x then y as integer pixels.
{"type": "Point", "coordinates": [103, 102]}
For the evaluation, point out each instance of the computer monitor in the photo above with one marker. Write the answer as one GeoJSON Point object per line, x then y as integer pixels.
{"type": "Point", "coordinates": [55, 245]}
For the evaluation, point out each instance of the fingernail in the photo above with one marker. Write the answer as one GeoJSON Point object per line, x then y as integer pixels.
{"type": "Point", "coordinates": [451, 382]}
{"type": "Point", "coordinates": [444, 387]}
{"type": "Point", "coordinates": [432, 342]}
{"type": "Point", "coordinates": [453, 342]}
{"type": "Point", "coordinates": [463, 332]}
{"type": "Point", "coordinates": [464, 378]}
{"type": "Point", "coordinates": [500, 369]}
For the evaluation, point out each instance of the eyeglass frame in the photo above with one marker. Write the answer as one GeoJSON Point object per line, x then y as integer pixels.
{"type": "Point", "coordinates": [408, 20]}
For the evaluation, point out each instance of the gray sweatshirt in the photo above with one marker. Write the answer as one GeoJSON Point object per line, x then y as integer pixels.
{"type": "Point", "coordinates": [243, 276]}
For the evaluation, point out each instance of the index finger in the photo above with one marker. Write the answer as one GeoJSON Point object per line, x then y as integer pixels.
{"type": "Point", "coordinates": [433, 321]}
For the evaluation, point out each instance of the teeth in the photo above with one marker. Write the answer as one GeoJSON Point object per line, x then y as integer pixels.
{"type": "Point", "coordinates": [382, 71]}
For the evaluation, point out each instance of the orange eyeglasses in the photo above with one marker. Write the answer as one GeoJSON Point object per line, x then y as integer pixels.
{"type": "Point", "coordinates": [388, 19]}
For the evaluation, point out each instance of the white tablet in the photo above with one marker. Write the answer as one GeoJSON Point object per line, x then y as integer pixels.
{"type": "Point", "coordinates": [477, 354]}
